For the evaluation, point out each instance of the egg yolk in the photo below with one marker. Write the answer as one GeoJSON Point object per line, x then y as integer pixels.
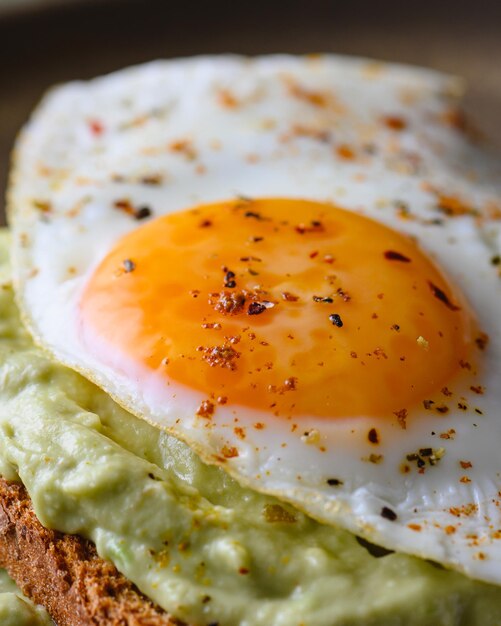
{"type": "Point", "coordinates": [283, 305]}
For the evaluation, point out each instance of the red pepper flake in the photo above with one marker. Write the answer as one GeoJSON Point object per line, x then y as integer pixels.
{"type": "Point", "coordinates": [259, 426]}
{"type": "Point", "coordinates": [300, 130]}
{"type": "Point", "coordinates": [289, 385]}
{"type": "Point", "coordinates": [256, 308]}
{"type": "Point", "coordinates": [345, 152]}
{"type": "Point", "coordinates": [211, 326]}
{"type": "Point", "coordinates": [205, 224]}
{"type": "Point", "coordinates": [442, 409]}
{"type": "Point", "coordinates": [229, 452]}
{"type": "Point", "coordinates": [446, 391]}
{"type": "Point", "coordinates": [229, 281]}
{"type": "Point", "coordinates": [254, 214]}
{"type": "Point", "coordinates": [221, 356]}
{"type": "Point", "coordinates": [450, 530]}
{"type": "Point", "coordinates": [450, 434]}
{"type": "Point", "coordinates": [227, 99]}
{"type": "Point", "coordinates": [336, 320]}
{"type": "Point", "coordinates": [379, 353]}
{"type": "Point", "coordinates": [482, 340]}
{"type": "Point", "coordinates": [142, 213]}
{"type": "Point", "coordinates": [415, 527]}
{"type": "Point", "coordinates": [126, 206]}
{"type": "Point", "coordinates": [314, 227]}
{"type": "Point", "coordinates": [289, 297]}
{"type": "Point", "coordinates": [96, 127]}
{"type": "Point", "coordinates": [206, 409]}
{"type": "Point", "coordinates": [313, 254]}
{"type": "Point", "coordinates": [229, 302]}
{"type": "Point", "coordinates": [465, 479]}
{"type": "Point", "coordinates": [466, 464]}
{"type": "Point", "coordinates": [373, 436]}
{"type": "Point", "coordinates": [185, 147]}
{"type": "Point", "coordinates": [394, 122]}
{"type": "Point", "coordinates": [222, 399]}
{"type": "Point", "coordinates": [239, 432]}
{"type": "Point", "coordinates": [129, 266]}
{"type": "Point", "coordinates": [243, 571]}
{"type": "Point", "coordinates": [388, 514]}
{"type": "Point", "coordinates": [452, 206]}
{"type": "Point", "coordinates": [152, 179]}
{"type": "Point", "coordinates": [334, 482]}
{"type": "Point", "coordinates": [43, 206]}
{"type": "Point", "coordinates": [247, 259]}
{"type": "Point", "coordinates": [395, 327]}
{"type": "Point", "coordinates": [478, 389]}
{"type": "Point", "coordinates": [391, 255]}
{"type": "Point", "coordinates": [326, 299]}
{"type": "Point", "coordinates": [464, 364]}
{"type": "Point", "coordinates": [401, 416]}
{"type": "Point", "coordinates": [442, 296]}
{"type": "Point", "coordinates": [344, 295]}
{"type": "Point", "coordinates": [316, 98]}
{"type": "Point", "coordinates": [456, 118]}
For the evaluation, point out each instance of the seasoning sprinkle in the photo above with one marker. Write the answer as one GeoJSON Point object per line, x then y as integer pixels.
{"type": "Point", "coordinates": [142, 213]}
{"type": "Point", "coordinates": [129, 266]}
{"type": "Point", "coordinates": [388, 514]}
{"type": "Point", "coordinates": [327, 299]}
{"type": "Point", "coordinates": [373, 436]}
{"type": "Point", "coordinates": [401, 416]}
{"type": "Point", "coordinates": [442, 296]}
{"type": "Point", "coordinates": [336, 320]}
{"type": "Point", "coordinates": [254, 214]}
{"type": "Point", "coordinates": [289, 297]}
{"type": "Point", "coordinates": [391, 255]}
{"type": "Point", "coordinates": [256, 308]}
{"type": "Point", "coordinates": [334, 482]}
{"type": "Point", "coordinates": [206, 409]}
{"type": "Point", "coordinates": [229, 280]}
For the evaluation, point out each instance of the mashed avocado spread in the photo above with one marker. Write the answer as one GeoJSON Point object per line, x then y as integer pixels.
{"type": "Point", "coordinates": [15, 609]}
{"type": "Point", "coordinates": [193, 540]}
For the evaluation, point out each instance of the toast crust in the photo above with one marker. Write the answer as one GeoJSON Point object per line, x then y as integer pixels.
{"type": "Point", "coordinates": [64, 573]}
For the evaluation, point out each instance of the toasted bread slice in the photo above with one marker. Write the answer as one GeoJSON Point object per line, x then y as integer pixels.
{"type": "Point", "coordinates": [64, 574]}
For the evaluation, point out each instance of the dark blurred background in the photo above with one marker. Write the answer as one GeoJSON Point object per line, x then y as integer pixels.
{"type": "Point", "coordinates": [45, 42]}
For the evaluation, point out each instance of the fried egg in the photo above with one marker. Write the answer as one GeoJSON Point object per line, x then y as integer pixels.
{"type": "Point", "coordinates": [292, 264]}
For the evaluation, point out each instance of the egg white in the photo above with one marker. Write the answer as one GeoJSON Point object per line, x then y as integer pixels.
{"type": "Point", "coordinates": [248, 133]}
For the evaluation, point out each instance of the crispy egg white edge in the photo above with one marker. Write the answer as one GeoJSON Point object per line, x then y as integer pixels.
{"type": "Point", "coordinates": [364, 522]}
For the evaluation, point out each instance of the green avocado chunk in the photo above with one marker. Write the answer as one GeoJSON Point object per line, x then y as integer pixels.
{"type": "Point", "coordinates": [206, 549]}
{"type": "Point", "coordinates": [15, 609]}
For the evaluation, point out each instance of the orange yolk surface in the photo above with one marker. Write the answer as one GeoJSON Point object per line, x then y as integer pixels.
{"type": "Point", "coordinates": [288, 306]}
